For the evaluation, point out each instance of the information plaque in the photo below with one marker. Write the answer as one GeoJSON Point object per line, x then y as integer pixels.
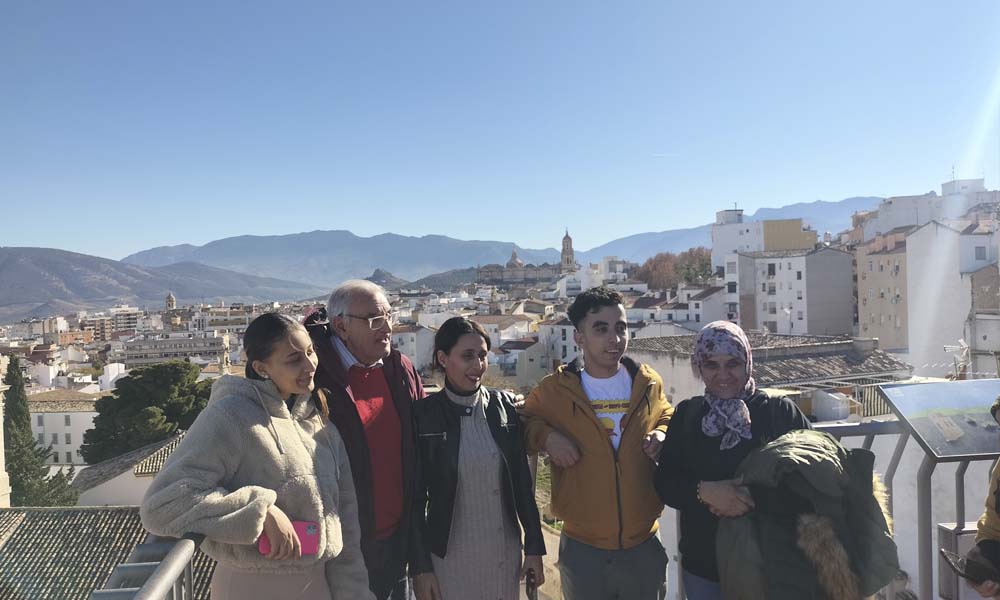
{"type": "Point", "coordinates": [950, 419]}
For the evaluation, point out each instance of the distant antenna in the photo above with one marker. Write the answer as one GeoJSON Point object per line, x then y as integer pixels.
{"type": "Point", "coordinates": [953, 172]}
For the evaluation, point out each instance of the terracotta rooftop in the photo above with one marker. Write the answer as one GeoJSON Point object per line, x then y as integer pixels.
{"type": "Point", "coordinates": [152, 464]}
{"type": "Point", "coordinates": [66, 553]}
{"type": "Point", "coordinates": [95, 475]}
{"type": "Point", "coordinates": [707, 292]}
{"type": "Point", "coordinates": [684, 344]}
{"type": "Point", "coordinates": [648, 302]}
{"type": "Point", "coordinates": [518, 344]}
{"type": "Point", "coordinates": [783, 370]}
{"type": "Point", "coordinates": [503, 320]}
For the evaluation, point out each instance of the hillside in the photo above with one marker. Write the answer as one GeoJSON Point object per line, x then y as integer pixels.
{"type": "Point", "coordinates": [43, 281]}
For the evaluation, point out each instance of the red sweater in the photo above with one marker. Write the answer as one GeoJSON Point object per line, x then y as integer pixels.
{"type": "Point", "coordinates": [384, 436]}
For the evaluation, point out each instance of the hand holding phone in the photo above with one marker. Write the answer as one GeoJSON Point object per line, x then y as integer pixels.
{"type": "Point", "coordinates": [296, 538]}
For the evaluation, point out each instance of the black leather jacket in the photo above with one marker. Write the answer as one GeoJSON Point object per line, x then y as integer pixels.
{"type": "Point", "coordinates": [437, 427]}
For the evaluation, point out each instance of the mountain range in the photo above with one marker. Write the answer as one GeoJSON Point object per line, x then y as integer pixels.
{"type": "Point", "coordinates": [324, 258]}
{"type": "Point", "coordinates": [44, 281]}
{"type": "Point", "coordinates": [41, 281]}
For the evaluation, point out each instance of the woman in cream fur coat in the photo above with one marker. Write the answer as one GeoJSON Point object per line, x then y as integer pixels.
{"type": "Point", "coordinates": [261, 455]}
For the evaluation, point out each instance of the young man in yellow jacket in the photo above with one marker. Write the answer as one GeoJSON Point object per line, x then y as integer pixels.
{"type": "Point", "coordinates": [602, 420]}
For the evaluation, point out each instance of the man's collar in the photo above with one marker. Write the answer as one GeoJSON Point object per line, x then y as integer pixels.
{"type": "Point", "coordinates": [346, 357]}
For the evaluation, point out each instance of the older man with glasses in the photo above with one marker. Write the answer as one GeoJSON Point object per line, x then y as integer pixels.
{"type": "Point", "coordinates": [371, 388]}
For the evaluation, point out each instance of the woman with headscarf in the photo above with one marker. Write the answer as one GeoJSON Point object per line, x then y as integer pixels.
{"type": "Point", "coordinates": [708, 437]}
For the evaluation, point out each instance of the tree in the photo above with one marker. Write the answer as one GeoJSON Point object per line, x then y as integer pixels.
{"type": "Point", "coordinates": [147, 406]}
{"type": "Point", "coordinates": [26, 463]}
{"type": "Point", "coordinates": [659, 272]}
{"type": "Point", "coordinates": [695, 265]}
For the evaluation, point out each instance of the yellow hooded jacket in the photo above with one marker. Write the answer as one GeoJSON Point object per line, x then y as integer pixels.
{"type": "Point", "coordinates": [606, 499]}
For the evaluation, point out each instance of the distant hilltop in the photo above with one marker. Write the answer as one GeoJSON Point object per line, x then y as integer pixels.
{"type": "Point", "coordinates": [325, 258]}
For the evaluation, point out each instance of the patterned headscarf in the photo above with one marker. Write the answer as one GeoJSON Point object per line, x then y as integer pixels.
{"type": "Point", "coordinates": [727, 417]}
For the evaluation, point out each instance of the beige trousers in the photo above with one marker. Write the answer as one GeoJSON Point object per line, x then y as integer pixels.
{"type": "Point", "coordinates": [230, 584]}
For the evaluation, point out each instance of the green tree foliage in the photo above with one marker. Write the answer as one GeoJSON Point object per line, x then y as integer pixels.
{"type": "Point", "coordinates": [666, 269]}
{"type": "Point", "coordinates": [147, 406]}
{"type": "Point", "coordinates": [26, 463]}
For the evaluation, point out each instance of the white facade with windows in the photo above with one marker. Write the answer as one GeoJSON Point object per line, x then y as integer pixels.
{"type": "Point", "coordinates": [61, 423]}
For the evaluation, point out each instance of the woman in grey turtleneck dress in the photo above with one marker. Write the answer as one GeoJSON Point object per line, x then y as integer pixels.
{"type": "Point", "coordinates": [475, 484]}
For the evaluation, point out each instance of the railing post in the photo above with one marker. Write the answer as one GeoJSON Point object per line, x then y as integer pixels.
{"type": "Point", "coordinates": [960, 495]}
{"type": "Point", "coordinates": [890, 471]}
{"type": "Point", "coordinates": [925, 548]}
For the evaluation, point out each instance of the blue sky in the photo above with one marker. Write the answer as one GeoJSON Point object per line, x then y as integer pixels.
{"type": "Point", "coordinates": [127, 125]}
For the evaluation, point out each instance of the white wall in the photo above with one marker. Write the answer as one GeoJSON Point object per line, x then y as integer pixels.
{"type": "Point", "coordinates": [55, 424]}
{"type": "Point", "coordinates": [123, 490]}
{"type": "Point", "coordinates": [735, 237]}
{"type": "Point", "coordinates": [43, 375]}
{"type": "Point", "coordinates": [938, 298]}
{"type": "Point", "coordinates": [112, 373]}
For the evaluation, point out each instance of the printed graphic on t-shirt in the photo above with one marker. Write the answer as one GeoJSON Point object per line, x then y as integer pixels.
{"type": "Point", "coordinates": [610, 399]}
{"type": "Point", "coordinates": [610, 413]}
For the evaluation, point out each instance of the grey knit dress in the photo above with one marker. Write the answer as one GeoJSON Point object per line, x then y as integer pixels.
{"type": "Point", "coordinates": [483, 561]}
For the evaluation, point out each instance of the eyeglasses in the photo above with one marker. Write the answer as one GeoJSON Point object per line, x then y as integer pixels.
{"type": "Point", "coordinates": [376, 323]}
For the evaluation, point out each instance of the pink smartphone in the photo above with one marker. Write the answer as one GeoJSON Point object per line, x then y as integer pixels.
{"type": "Point", "coordinates": [308, 532]}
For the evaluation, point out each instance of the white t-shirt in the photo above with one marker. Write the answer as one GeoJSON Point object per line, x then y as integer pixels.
{"type": "Point", "coordinates": [610, 398]}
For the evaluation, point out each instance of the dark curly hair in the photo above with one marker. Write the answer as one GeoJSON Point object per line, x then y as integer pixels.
{"type": "Point", "coordinates": [592, 301]}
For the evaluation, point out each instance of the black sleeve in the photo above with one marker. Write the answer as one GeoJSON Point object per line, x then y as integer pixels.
{"type": "Point", "coordinates": [789, 417]}
{"type": "Point", "coordinates": [418, 550]}
{"type": "Point", "coordinates": [675, 488]}
{"type": "Point", "coordinates": [524, 488]}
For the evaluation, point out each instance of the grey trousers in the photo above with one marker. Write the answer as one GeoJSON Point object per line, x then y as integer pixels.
{"type": "Point", "coordinates": [589, 573]}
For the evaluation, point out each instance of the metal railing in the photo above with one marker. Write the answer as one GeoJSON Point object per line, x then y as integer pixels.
{"type": "Point", "coordinates": [157, 569]}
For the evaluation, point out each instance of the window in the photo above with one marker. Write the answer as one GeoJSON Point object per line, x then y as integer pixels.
{"type": "Point", "coordinates": [763, 288]}
{"type": "Point", "coordinates": [564, 334]}
{"type": "Point", "coordinates": [798, 295]}
{"type": "Point", "coordinates": [730, 267]}
{"type": "Point", "coordinates": [697, 305]}
{"type": "Point", "coordinates": [651, 316]}
{"type": "Point", "coordinates": [881, 267]}
{"type": "Point", "coordinates": [881, 293]}
{"type": "Point", "coordinates": [697, 318]}
{"type": "Point", "coordinates": [772, 309]}
{"type": "Point", "coordinates": [55, 438]}
{"type": "Point", "coordinates": [731, 287]}
{"type": "Point", "coordinates": [798, 275]}
{"type": "Point", "coordinates": [732, 307]}
{"type": "Point", "coordinates": [68, 438]}
{"type": "Point", "coordinates": [69, 457]}
{"type": "Point", "coordinates": [871, 266]}
{"type": "Point", "coordinates": [41, 439]}
{"type": "Point", "coordinates": [980, 252]}
{"type": "Point", "coordinates": [39, 420]}
{"type": "Point", "coordinates": [770, 269]}
{"type": "Point", "coordinates": [67, 420]}
{"type": "Point", "coordinates": [564, 352]}
{"type": "Point", "coordinates": [771, 290]}
{"type": "Point", "coordinates": [800, 315]}
{"type": "Point", "coordinates": [670, 316]}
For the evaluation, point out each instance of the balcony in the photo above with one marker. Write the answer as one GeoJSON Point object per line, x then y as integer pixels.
{"type": "Point", "coordinates": [168, 568]}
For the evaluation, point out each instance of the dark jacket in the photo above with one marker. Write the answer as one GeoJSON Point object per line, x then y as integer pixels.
{"type": "Point", "coordinates": [406, 387]}
{"type": "Point", "coordinates": [840, 549]}
{"type": "Point", "coordinates": [437, 421]}
{"type": "Point", "coordinates": [689, 456]}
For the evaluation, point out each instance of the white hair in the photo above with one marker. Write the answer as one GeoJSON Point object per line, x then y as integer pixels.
{"type": "Point", "coordinates": [344, 294]}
